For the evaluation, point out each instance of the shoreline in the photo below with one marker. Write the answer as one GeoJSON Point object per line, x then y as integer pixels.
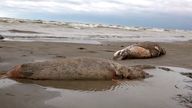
{"type": "Point", "coordinates": [49, 31]}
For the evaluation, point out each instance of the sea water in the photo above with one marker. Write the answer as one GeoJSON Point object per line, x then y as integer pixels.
{"type": "Point", "coordinates": [52, 31]}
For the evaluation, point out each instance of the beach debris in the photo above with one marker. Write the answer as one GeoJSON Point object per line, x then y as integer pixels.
{"type": "Point", "coordinates": [81, 48]}
{"type": "Point", "coordinates": [76, 68]}
{"type": "Point", "coordinates": [140, 51]}
{"type": "Point", "coordinates": [165, 68]}
{"type": "Point", "coordinates": [188, 74]}
{"type": "Point", "coordinates": [1, 37]}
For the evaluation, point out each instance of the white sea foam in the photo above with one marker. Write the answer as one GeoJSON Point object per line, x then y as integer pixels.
{"type": "Point", "coordinates": [55, 31]}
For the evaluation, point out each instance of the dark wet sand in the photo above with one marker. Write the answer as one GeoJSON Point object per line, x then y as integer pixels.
{"type": "Point", "coordinates": [32, 96]}
{"type": "Point", "coordinates": [166, 89]}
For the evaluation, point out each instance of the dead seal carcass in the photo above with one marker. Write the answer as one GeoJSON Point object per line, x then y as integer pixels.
{"type": "Point", "coordinates": [140, 50]}
{"type": "Point", "coordinates": [78, 68]}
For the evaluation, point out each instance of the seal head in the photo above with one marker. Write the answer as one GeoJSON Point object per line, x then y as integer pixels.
{"type": "Point", "coordinates": [130, 73]}
{"type": "Point", "coordinates": [15, 72]}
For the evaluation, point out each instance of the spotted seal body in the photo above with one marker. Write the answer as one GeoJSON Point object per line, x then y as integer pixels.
{"type": "Point", "coordinates": [79, 68]}
{"type": "Point", "coordinates": [140, 50]}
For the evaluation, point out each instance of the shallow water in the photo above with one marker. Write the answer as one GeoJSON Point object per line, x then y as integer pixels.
{"type": "Point", "coordinates": [166, 89]}
{"type": "Point", "coordinates": [29, 30]}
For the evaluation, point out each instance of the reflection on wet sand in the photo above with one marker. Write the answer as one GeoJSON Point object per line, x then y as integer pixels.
{"type": "Point", "coordinates": [82, 85]}
{"type": "Point", "coordinates": [17, 95]}
{"type": "Point", "coordinates": [184, 99]}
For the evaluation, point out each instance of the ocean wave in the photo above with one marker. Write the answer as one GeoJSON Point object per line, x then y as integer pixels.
{"type": "Point", "coordinates": [84, 25]}
{"type": "Point", "coordinates": [55, 31]}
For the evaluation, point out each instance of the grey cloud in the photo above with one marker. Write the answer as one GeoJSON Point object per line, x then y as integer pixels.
{"type": "Point", "coordinates": [98, 6]}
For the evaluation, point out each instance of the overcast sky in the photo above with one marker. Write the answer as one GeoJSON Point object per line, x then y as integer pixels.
{"type": "Point", "coordinates": [148, 13]}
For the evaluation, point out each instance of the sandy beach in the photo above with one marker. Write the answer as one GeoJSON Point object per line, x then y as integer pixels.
{"type": "Point", "coordinates": [55, 40]}
{"type": "Point", "coordinates": [13, 53]}
{"type": "Point", "coordinates": [16, 92]}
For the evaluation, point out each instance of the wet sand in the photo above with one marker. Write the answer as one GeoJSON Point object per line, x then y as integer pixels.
{"type": "Point", "coordinates": [147, 93]}
{"type": "Point", "coordinates": [13, 53]}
